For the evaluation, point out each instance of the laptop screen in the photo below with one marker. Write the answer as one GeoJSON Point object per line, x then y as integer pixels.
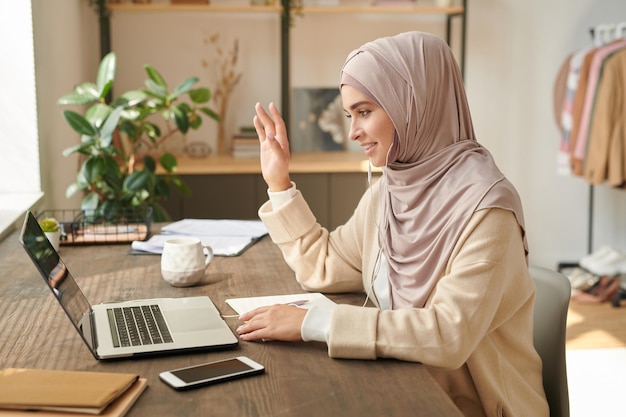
{"type": "Point", "coordinates": [58, 277]}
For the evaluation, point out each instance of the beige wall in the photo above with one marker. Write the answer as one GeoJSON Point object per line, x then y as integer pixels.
{"type": "Point", "coordinates": [514, 50]}
{"type": "Point", "coordinates": [66, 52]}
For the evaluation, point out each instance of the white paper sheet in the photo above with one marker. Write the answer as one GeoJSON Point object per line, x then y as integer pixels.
{"type": "Point", "coordinates": [216, 227]}
{"type": "Point", "coordinates": [226, 237]}
{"type": "Point", "coordinates": [221, 245]}
{"type": "Point", "coordinates": [243, 305]}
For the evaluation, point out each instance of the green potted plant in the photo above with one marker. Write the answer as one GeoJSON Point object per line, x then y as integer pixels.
{"type": "Point", "coordinates": [50, 227]}
{"type": "Point", "coordinates": [120, 139]}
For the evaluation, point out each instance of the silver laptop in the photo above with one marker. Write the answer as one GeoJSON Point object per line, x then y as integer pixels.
{"type": "Point", "coordinates": [131, 328]}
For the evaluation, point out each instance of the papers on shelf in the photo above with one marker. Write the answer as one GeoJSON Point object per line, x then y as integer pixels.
{"type": "Point", "coordinates": [243, 305]}
{"type": "Point", "coordinates": [226, 237]}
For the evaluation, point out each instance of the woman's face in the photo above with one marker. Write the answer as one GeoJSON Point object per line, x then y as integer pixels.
{"type": "Point", "coordinates": [369, 125]}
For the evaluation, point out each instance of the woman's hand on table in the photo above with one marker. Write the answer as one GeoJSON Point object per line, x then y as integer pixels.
{"type": "Point", "coordinates": [277, 322]}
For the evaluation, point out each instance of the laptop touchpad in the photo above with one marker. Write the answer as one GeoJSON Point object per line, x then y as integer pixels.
{"type": "Point", "coordinates": [178, 320]}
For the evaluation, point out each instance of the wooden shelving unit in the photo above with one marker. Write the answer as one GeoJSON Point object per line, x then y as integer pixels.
{"type": "Point", "coordinates": [209, 8]}
{"type": "Point", "coordinates": [300, 163]}
{"type": "Point", "coordinates": [418, 9]}
{"type": "Point", "coordinates": [450, 12]}
{"type": "Point", "coordinates": [332, 182]}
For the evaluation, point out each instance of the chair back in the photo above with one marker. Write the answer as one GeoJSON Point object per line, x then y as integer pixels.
{"type": "Point", "coordinates": [550, 315]}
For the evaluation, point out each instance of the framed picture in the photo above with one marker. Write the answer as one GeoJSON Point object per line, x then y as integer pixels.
{"type": "Point", "coordinates": [318, 122]}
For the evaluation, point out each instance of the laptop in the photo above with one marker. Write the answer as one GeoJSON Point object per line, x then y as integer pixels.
{"type": "Point", "coordinates": [164, 325]}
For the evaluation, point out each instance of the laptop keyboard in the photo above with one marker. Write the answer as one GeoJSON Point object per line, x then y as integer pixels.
{"type": "Point", "coordinates": [136, 326]}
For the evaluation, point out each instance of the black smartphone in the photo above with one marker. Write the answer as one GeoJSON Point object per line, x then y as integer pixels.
{"type": "Point", "coordinates": [211, 373]}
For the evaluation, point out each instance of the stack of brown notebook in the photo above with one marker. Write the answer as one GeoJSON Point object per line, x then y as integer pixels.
{"type": "Point", "coordinates": [57, 392]}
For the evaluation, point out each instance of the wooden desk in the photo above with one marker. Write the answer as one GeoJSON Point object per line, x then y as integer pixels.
{"type": "Point", "coordinates": [300, 379]}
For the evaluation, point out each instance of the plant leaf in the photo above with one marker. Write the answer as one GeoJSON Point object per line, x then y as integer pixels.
{"type": "Point", "coordinates": [72, 149]}
{"type": "Point", "coordinates": [132, 98]}
{"type": "Point", "coordinates": [109, 126]}
{"type": "Point", "coordinates": [73, 189]}
{"type": "Point", "coordinates": [98, 113]}
{"type": "Point", "coordinates": [87, 88]}
{"type": "Point", "coordinates": [113, 181]}
{"type": "Point", "coordinates": [155, 76]}
{"type": "Point", "coordinates": [79, 123]}
{"type": "Point", "coordinates": [184, 86]}
{"type": "Point", "coordinates": [156, 89]}
{"type": "Point", "coordinates": [180, 117]}
{"type": "Point", "coordinates": [106, 73]}
{"type": "Point", "coordinates": [168, 162]}
{"type": "Point", "coordinates": [90, 202]}
{"type": "Point", "coordinates": [162, 188]}
{"type": "Point", "coordinates": [94, 167]}
{"type": "Point", "coordinates": [127, 127]}
{"type": "Point", "coordinates": [109, 210]}
{"type": "Point", "coordinates": [185, 107]}
{"type": "Point", "coordinates": [83, 93]}
{"type": "Point", "coordinates": [149, 163]}
{"type": "Point", "coordinates": [105, 90]}
{"type": "Point", "coordinates": [112, 166]}
{"type": "Point", "coordinates": [180, 185]}
{"type": "Point", "coordinates": [153, 131]}
{"type": "Point", "coordinates": [200, 95]}
{"type": "Point", "coordinates": [195, 123]}
{"type": "Point", "coordinates": [140, 197]}
{"type": "Point", "coordinates": [137, 180]}
{"type": "Point", "coordinates": [210, 113]}
{"type": "Point", "coordinates": [134, 114]}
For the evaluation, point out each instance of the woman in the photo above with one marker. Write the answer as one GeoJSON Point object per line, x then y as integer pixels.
{"type": "Point", "coordinates": [437, 243]}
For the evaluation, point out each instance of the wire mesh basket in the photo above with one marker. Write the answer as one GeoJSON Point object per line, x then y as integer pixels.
{"type": "Point", "coordinates": [79, 227]}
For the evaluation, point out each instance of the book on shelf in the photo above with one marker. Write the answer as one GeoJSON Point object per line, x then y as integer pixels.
{"type": "Point", "coordinates": [394, 3]}
{"type": "Point", "coordinates": [355, 2]}
{"type": "Point", "coordinates": [308, 3]}
{"type": "Point", "coordinates": [61, 392]}
{"type": "Point", "coordinates": [245, 154]}
{"type": "Point", "coordinates": [244, 141]}
{"type": "Point", "coordinates": [245, 145]}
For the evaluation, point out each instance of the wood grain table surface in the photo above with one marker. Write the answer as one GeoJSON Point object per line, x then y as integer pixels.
{"type": "Point", "coordinates": [300, 378]}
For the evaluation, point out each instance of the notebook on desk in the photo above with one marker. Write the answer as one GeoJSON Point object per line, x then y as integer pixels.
{"type": "Point", "coordinates": [165, 325]}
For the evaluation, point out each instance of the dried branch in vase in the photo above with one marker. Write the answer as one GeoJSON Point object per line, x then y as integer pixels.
{"type": "Point", "coordinates": [227, 78]}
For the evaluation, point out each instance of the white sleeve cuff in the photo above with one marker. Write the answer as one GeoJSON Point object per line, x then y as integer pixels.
{"type": "Point", "coordinates": [316, 324]}
{"type": "Point", "coordinates": [280, 198]}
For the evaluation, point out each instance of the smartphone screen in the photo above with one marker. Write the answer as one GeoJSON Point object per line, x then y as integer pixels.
{"type": "Point", "coordinates": [212, 372]}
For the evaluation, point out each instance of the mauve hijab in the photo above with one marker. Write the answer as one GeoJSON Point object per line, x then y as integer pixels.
{"type": "Point", "coordinates": [437, 174]}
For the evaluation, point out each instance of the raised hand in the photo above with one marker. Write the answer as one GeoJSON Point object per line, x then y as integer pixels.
{"type": "Point", "coordinates": [274, 147]}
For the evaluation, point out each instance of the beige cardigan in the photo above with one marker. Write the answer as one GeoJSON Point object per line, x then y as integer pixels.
{"type": "Point", "coordinates": [475, 332]}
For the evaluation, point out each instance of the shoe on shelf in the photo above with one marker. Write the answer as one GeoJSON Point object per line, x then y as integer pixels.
{"type": "Point", "coordinates": [580, 279]}
{"type": "Point", "coordinates": [598, 254]}
{"type": "Point", "coordinates": [606, 261]}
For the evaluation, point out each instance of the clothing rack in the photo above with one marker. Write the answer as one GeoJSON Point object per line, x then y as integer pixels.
{"type": "Point", "coordinates": [603, 34]}
{"type": "Point", "coordinates": [590, 222]}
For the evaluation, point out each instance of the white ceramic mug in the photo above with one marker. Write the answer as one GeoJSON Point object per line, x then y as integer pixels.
{"type": "Point", "coordinates": [183, 261]}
